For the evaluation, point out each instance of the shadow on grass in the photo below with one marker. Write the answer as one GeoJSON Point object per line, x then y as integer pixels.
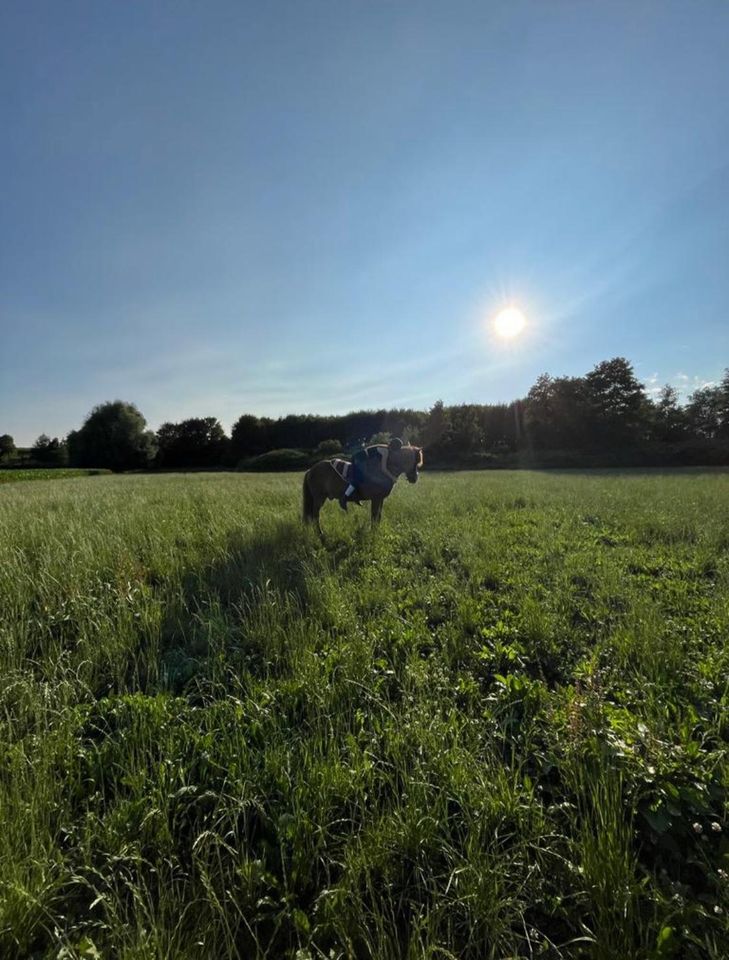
{"type": "Point", "coordinates": [231, 615]}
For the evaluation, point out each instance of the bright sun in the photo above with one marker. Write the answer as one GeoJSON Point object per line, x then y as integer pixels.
{"type": "Point", "coordinates": [509, 322]}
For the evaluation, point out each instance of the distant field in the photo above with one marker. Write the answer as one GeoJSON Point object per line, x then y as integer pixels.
{"type": "Point", "coordinates": [57, 473]}
{"type": "Point", "coordinates": [496, 728]}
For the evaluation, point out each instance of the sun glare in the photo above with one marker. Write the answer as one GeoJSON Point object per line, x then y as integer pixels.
{"type": "Point", "coordinates": [509, 323]}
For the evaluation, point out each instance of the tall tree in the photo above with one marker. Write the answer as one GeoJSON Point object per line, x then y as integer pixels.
{"type": "Point", "coordinates": [704, 412]}
{"type": "Point", "coordinates": [198, 442]}
{"type": "Point", "coordinates": [556, 413]}
{"type": "Point", "coordinates": [502, 425]}
{"type": "Point", "coordinates": [7, 448]}
{"type": "Point", "coordinates": [465, 433]}
{"type": "Point", "coordinates": [669, 418]}
{"type": "Point", "coordinates": [618, 403]}
{"type": "Point", "coordinates": [113, 436]}
{"type": "Point", "coordinates": [249, 436]}
{"type": "Point", "coordinates": [724, 406]}
{"type": "Point", "coordinates": [50, 452]}
{"type": "Point", "coordinates": [437, 425]}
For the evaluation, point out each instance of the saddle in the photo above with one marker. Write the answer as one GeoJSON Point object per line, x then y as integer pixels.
{"type": "Point", "coordinates": [343, 468]}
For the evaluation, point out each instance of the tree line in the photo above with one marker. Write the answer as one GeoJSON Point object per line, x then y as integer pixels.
{"type": "Point", "coordinates": [604, 417]}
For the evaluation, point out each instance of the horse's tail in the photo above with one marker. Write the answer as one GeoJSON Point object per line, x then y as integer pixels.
{"type": "Point", "coordinates": [308, 501]}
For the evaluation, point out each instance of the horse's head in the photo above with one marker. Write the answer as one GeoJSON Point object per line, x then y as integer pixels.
{"type": "Point", "coordinates": [407, 460]}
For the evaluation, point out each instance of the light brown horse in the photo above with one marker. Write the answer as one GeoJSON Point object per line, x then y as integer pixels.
{"type": "Point", "coordinates": [322, 482]}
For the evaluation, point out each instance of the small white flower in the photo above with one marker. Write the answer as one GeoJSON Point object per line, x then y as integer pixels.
{"type": "Point", "coordinates": [718, 911]}
{"type": "Point", "coordinates": [716, 827]}
{"type": "Point", "coordinates": [697, 827]}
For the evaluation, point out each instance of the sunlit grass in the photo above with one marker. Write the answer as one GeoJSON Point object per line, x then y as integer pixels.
{"type": "Point", "coordinates": [51, 473]}
{"type": "Point", "coordinates": [494, 728]}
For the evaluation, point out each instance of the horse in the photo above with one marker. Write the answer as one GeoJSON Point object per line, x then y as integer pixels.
{"type": "Point", "coordinates": [324, 482]}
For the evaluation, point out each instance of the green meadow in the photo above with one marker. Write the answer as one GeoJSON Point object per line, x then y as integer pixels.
{"type": "Point", "coordinates": [39, 473]}
{"type": "Point", "coordinates": [495, 727]}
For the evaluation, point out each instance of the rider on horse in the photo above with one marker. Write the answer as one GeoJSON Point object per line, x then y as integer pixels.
{"type": "Point", "coordinates": [369, 468]}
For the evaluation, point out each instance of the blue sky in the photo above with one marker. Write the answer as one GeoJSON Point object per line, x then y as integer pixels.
{"type": "Point", "coordinates": [272, 207]}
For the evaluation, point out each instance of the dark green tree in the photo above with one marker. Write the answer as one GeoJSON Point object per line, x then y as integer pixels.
{"type": "Point", "coordinates": [8, 450]}
{"type": "Point", "coordinates": [465, 433]}
{"type": "Point", "coordinates": [114, 436]}
{"type": "Point", "coordinates": [250, 436]}
{"type": "Point", "coordinates": [328, 448]}
{"type": "Point", "coordinates": [198, 442]}
{"type": "Point", "coordinates": [618, 407]}
{"type": "Point", "coordinates": [705, 413]}
{"type": "Point", "coordinates": [669, 418]}
{"type": "Point", "coordinates": [723, 406]}
{"type": "Point", "coordinates": [407, 424]}
{"type": "Point", "coordinates": [556, 413]}
{"type": "Point", "coordinates": [437, 425]}
{"type": "Point", "coordinates": [49, 452]}
{"type": "Point", "coordinates": [501, 425]}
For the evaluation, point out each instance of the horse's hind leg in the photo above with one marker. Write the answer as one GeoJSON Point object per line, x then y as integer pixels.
{"type": "Point", "coordinates": [317, 509]}
{"type": "Point", "coordinates": [377, 509]}
{"type": "Point", "coordinates": [311, 505]}
{"type": "Point", "coordinates": [312, 518]}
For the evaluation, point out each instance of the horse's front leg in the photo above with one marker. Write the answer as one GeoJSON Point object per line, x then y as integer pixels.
{"type": "Point", "coordinates": [377, 509]}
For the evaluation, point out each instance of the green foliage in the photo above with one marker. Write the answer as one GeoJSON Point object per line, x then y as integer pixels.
{"type": "Point", "coordinates": [57, 473]}
{"type": "Point", "coordinates": [254, 435]}
{"type": "Point", "coordinates": [112, 436]}
{"type": "Point", "coordinates": [670, 421]}
{"type": "Point", "coordinates": [249, 436]}
{"type": "Point", "coordinates": [708, 410]}
{"type": "Point", "coordinates": [495, 727]}
{"type": "Point", "coordinates": [199, 442]}
{"type": "Point", "coordinates": [328, 448]}
{"type": "Point", "coordinates": [617, 403]}
{"type": "Point", "coordinates": [278, 460]}
{"type": "Point", "coordinates": [51, 453]}
{"type": "Point", "coordinates": [603, 419]}
{"type": "Point", "coordinates": [7, 448]}
{"type": "Point", "coordinates": [556, 413]}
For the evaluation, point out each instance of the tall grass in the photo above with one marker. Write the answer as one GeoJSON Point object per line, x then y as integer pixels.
{"type": "Point", "coordinates": [496, 727]}
{"type": "Point", "coordinates": [17, 475]}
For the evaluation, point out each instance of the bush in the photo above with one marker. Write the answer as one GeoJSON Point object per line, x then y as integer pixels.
{"type": "Point", "coordinates": [328, 448]}
{"type": "Point", "coordinates": [285, 459]}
